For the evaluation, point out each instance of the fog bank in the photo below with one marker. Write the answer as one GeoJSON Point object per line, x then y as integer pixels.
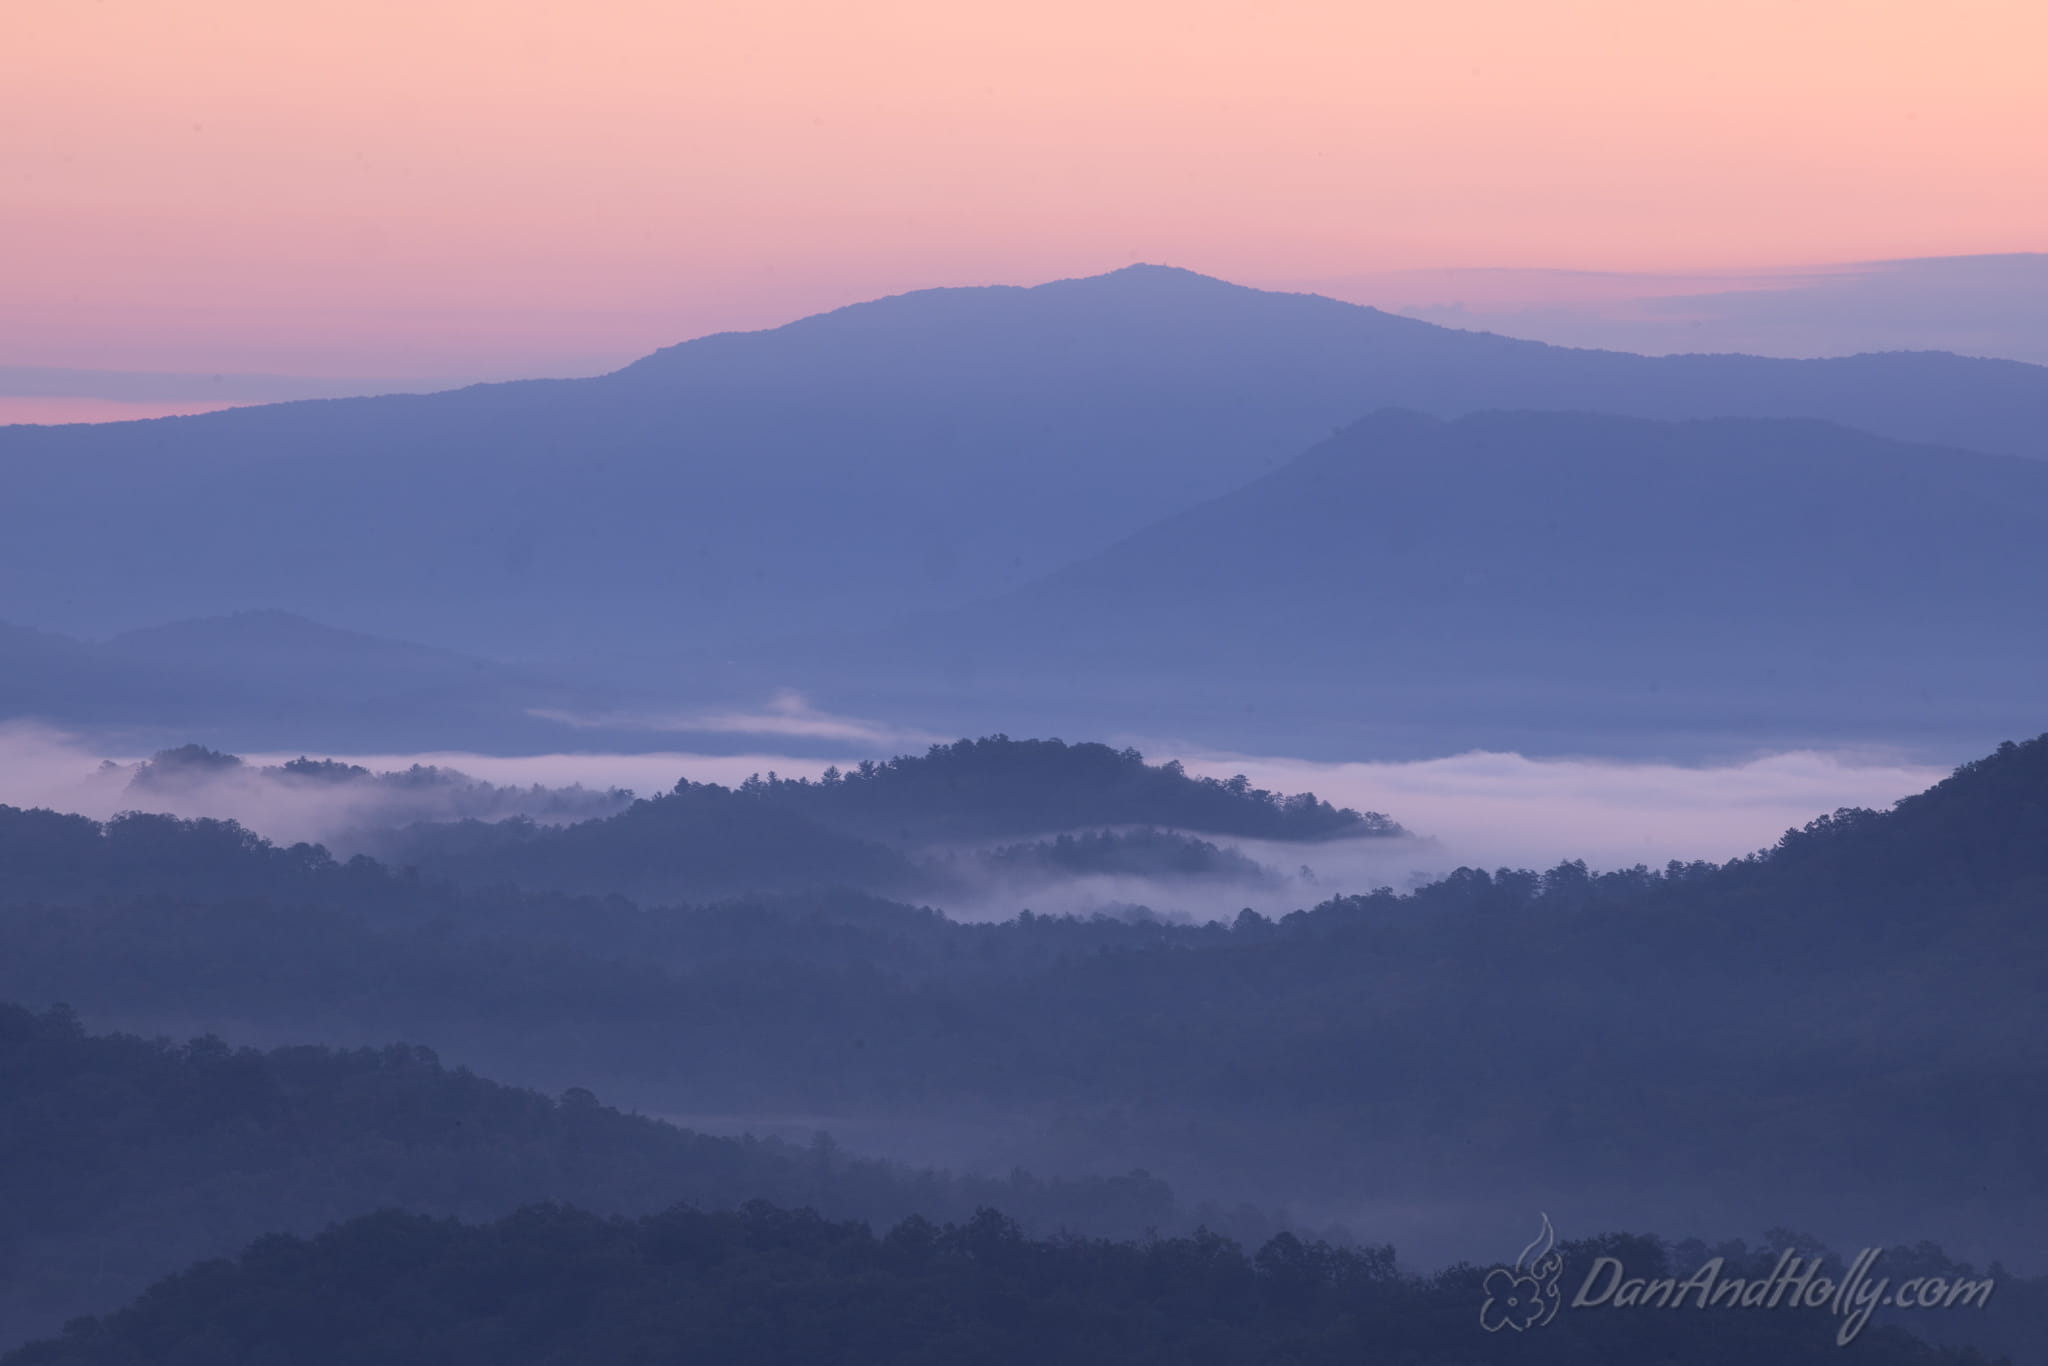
{"type": "Point", "coordinates": [1480, 809]}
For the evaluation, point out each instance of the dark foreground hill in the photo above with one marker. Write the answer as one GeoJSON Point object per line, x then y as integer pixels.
{"type": "Point", "coordinates": [912, 452]}
{"type": "Point", "coordinates": [122, 1159]}
{"type": "Point", "coordinates": [1541, 581]}
{"type": "Point", "coordinates": [762, 1285]}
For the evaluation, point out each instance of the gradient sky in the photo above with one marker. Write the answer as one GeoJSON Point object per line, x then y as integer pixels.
{"type": "Point", "coordinates": [425, 187]}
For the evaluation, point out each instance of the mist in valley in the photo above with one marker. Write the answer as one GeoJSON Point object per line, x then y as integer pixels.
{"type": "Point", "coordinates": [1276, 1004]}
{"type": "Point", "coordinates": [1134, 818]}
{"type": "Point", "coordinates": [1481, 810]}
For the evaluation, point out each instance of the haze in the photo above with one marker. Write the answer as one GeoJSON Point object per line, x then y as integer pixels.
{"type": "Point", "coordinates": [523, 188]}
{"type": "Point", "coordinates": [1105, 684]}
{"type": "Point", "coordinates": [1479, 809]}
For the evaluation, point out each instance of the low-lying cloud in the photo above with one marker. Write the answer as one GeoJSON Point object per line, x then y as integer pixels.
{"type": "Point", "coordinates": [1484, 810]}
{"type": "Point", "coordinates": [1492, 810]}
{"type": "Point", "coordinates": [286, 798]}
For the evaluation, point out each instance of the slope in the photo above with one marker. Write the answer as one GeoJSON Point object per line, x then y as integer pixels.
{"type": "Point", "coordinates": [910, 453]}
{"type": "Point", "coordinates": [1535, 581]}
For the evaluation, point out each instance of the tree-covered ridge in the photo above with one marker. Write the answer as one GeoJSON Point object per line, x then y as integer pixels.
{"type": "Point", "coordinates": [1143, 852]}
{"type": "Point", "coordinates": [699, 841]}
{"type": "Point", "coordinates": [996, 786]}
{"type": "Point", "coordinates": [874, 826]}
{"type": "Point", "coordinates": [122, 1159]}
{"type": "Point", "coordinates": [1984, 825]}
{"type": "Point", "coordinates": [762, 1284]}
{"type": "Point", "coordinates": [54, 856]}
{"type": "Point", "coordinates": [1731, 1022]}
{"type": "Point", "coordinates": [1981, 832]}
{"type": "Point", "coordinates": [417, 792]}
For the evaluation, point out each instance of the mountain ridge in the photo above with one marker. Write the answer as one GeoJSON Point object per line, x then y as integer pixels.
{"type": "Point", "coordinates": [906, 454]}
{"type": "Point", "coordinates": [1502, 573]}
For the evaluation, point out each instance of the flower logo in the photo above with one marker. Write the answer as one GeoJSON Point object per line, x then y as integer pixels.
{"type": "Point", "coordinates": [1526, 1295]}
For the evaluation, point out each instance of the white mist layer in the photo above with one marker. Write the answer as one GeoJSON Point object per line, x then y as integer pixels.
{"type": "Point", "coordinates": [1483, 810]}
{"type": "Point", "coordinates": [1489, 810]}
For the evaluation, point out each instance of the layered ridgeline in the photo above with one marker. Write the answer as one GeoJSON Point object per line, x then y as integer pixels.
{"type": "Point", "coordinates": [1844, 1032]}
{"type": "Point", "coordinates": [975, 820]}
{"type": "Point", "coordinates": [911, 452]}
{"type": "Point", "coordinates": [272, 679]}
{"type": "Point", "coordinates": [1545, 582]}
{"type": "Point", "coordinates": [122, 1159]}
{"type": "Point", "coordinates": [762, 1285]}
{"type": "Point", "coordinates": [942, 824]}
{"type": "Point", "coordinates": [978, 819]}
{"type": "Point", "coordinates": [196, 780]}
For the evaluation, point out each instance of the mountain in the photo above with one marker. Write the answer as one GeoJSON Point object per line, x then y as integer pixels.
{"type": "Point", "coordinates": [42, 673]}
{"type": "Point", "coordinates": [864, 828]}
{"type": "Point", "coordinates": [995, 786]}
{"type": "Point", "coordinates": [1679, 1048]}
{"type": "Point", "coordinates": [907, 454]}
{"type": "Point", "coordinates": [897, 827]}
{"type": "Point", "coordinates": [1542, 581]}
{"type": "Point", "coordinates": [268, 678]}
{"type": "Point", "coordinates": [271, 650]}
{"type": "Point", "coordinates": [127, 1158]}
{"type": "Point", "coordinates": [767, 1286]}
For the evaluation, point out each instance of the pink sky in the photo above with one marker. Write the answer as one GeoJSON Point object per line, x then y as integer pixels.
{"type": "Point", "coordinates": [425, 187]}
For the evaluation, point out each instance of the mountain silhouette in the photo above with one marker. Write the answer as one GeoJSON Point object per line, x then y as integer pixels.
{"type": "Point", "coordinates": [1536, 580]}
{"type": "Point", "coordinates": [903, 455]}
{"type": "Point", "coordinates": [272, 678]}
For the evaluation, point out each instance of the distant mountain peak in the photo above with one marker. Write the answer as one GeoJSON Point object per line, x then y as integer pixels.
{"type": "Point", "coordinates": [1150, 271]}
{"type": "Point", "coordinates": [1144, 280]}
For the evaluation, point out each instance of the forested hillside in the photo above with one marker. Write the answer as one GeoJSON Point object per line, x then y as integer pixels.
{"type": "Point", "coordinates": [878, 827]}
{"type": "Point", "coordinates": [762, 1284]}
{"type": "Point", "coordinates": [123, 1159]}
{"type": "Point", "coordinates": [1538, 581]}
{"type": "Point", "coordinates": [1311, 1060]}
